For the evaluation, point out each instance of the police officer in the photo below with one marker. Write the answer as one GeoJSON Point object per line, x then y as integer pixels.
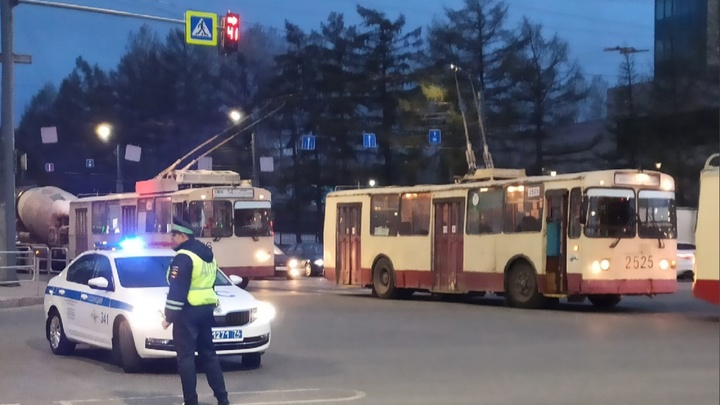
{"type": "Point", "coordinates": [189, 307]}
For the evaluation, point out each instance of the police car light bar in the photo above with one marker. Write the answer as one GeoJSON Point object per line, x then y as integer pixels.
{"type": "Point", "coordinates": [125, 244]}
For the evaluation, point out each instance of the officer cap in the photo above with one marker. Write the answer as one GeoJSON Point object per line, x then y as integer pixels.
{"type": "Point", "coordinates": [181, 226]}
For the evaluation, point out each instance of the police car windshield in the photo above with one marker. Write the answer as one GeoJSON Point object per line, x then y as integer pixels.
{"type": "Point", "coordinates": [149, 272]}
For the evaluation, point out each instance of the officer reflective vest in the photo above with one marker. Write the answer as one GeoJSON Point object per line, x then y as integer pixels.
{"type": "Point", "coordinates": [202, 280]}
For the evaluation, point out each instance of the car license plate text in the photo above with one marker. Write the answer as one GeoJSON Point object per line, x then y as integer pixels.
{"type": "Point", "coordinates": [232, 334]}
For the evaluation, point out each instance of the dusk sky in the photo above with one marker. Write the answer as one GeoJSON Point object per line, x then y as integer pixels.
{"type": "Point", "coordinates": [55, 37]}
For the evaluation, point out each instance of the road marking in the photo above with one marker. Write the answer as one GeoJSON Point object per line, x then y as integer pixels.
{"type": "Point", "coordinates": [350, 395]}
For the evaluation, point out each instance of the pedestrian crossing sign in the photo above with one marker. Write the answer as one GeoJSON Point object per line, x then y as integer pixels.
{"type": "Point", "coordinates": [201, 28]}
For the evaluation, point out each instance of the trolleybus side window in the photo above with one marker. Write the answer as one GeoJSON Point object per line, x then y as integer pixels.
{"type": "Point", "coordinates": [211, 218]}
{"type": "Point", "coordinates": [106, 216]}
{"type": "Point", "coordinates": [163, 215]}
{"type": "Point", "coordinates": [146, 215]}
{"type": "Point", "coordinates": [384, 218]}
{"type": "Point", "coordinates": [523, 208]}
{"type": "Point", "coordinates": [574, 228]}
{"type": "Point", "coordinates": [414, 214]}
{"type": "Point", "coordinates": [611, 213]}
{"type": "Point", "coordinates": [252, 221]}
{"type": "Point", "coordinates": [656, 213]}
{"type": "Point", "coordinates": [485, 211]}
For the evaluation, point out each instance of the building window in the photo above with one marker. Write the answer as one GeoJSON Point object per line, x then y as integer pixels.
{"type": "Point", "coordinates": [523, 208]}
{"type": "Point", "coordinates": [414, 214]}
{"type": "Point", "coordinates": [668, 8]}
{"type": "Point", "coordinates": [485, 211]}
{"type": "Point", "coordinates": [384, 218]}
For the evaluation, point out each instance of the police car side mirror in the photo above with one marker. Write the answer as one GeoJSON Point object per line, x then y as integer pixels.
{"type": "Point", "coordinates": [100, 283]}
{"type": "Point", "coordinates": [236, 279]}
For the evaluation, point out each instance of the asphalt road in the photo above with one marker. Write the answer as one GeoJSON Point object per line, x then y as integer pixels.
{"type": "Point", "coordinates": [339, 346]}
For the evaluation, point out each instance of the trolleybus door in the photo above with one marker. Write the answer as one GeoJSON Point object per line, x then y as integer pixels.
{"type": "Point", "coordinates": [447, 264]}
{"type": "Point", "coordinates": [556, 202]}
{"type": "Point", "coordinates": [348, 245]}
{"type": "Point", "coordinates": [81, 231]}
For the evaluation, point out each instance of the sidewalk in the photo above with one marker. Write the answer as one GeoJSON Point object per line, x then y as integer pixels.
{"type": "Point", "coordinates": [25, 293]}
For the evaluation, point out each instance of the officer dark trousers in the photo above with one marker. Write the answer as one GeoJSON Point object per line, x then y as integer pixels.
{"type": "Point", "coordinates": [192, 332]}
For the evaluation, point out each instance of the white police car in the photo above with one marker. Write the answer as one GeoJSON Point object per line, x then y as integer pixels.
{"type": "Point", "coordinates": [115, 299]}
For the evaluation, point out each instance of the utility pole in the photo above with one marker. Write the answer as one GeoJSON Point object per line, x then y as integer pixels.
{"type": "Point", "coordinates": [7, 178]}
{"type": "Point", "coordinates": [255, 180]}
{"type": "Point", "coordinates": [627, 51]}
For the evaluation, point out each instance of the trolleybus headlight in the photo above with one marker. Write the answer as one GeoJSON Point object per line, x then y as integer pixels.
{"type": "Point", "coordinates": [262, 255]}
{"type": "Point", "coordinates": [595, 267]}
{"type": "Point", "coordinates": [604, 264]}
{"type": "Point", "coordinates": [664, 264]}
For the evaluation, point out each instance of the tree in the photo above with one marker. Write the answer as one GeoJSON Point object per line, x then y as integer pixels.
{"type": "Point", "coordinates": [390, 57]}
{"type": "Point", "coordinates": [595, 105]}
{"type": "Point", "coordinates": [547, 87]}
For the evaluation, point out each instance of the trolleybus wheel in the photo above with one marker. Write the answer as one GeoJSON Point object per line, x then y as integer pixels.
{"type": "Point", "coordinates": [521, 287]}
{"type": "Point", "coordinates": [384, 279]}
{"type": "Point", "coordinates": [605, 301]}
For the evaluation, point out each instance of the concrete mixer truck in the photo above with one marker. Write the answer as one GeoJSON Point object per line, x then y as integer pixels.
{"type": "Point", "coordinates": [42, 225]}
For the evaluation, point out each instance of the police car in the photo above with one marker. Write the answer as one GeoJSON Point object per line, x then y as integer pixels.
{"type": "Point", "coordinates": [114, 298]}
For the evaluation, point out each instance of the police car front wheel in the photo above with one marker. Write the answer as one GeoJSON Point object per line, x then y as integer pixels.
{"type": "Point", "coordinates": [124, 350]}
{"type": "Point", "coordinates": [55, 332]}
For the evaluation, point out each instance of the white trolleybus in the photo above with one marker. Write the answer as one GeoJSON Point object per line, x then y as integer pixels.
{"type": "Point", "coordinates": [707, 240]}
{"type": "Point", "coordinates": [227, 213]}
{"type": "Point", "coordinates": [600, 235]}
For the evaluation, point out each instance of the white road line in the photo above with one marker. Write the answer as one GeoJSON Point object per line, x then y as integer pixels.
{"type": "Point", "coordinates": [355, 395]}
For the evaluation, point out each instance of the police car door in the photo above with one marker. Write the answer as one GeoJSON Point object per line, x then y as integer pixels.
{"type": "Point", "coordinates": [100, 304]}
{"type": "Point", "coordinates": [75, 292]}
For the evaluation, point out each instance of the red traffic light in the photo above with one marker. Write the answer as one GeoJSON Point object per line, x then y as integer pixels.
{"type": "Point", "coordinates": [231, 32]}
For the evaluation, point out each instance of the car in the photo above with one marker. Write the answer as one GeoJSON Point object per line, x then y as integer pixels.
{"type": "Point", "coordinates": [305, 258]}
{"type": "Point", "coordinates": [281, 268]}
{"type": "Point", "coordinates": [114, 298]}
{"type": "Point", "coordinates": [685, 260]}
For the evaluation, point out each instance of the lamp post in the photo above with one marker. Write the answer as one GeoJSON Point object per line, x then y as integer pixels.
{"type": "Point", "coordinates": [104, 132]}
{"type": "Point", "coordinates": [236, 116]}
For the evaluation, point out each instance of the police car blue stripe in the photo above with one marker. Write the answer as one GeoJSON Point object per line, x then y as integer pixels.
{"type": "Point", "coordinates": [92, 298]}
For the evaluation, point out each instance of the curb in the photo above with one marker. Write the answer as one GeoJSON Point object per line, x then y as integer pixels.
{"type": "Point", "coordinates": [20, 302]}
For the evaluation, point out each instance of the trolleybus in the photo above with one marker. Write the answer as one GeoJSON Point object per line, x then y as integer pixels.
{"type": "Point", "coordinates": [599, 234]}
{"type": "Point", "coordinates": [227, 213]}
{"type": "Point", "coordinates": [707, 241]}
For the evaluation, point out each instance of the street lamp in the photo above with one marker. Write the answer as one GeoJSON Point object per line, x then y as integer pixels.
{"type": "Point", "coordinates": [235, 116]}
{"type": "Point", "coordinates": [104, 132]}
{"type": "Point", "coordinates": [372, 183]}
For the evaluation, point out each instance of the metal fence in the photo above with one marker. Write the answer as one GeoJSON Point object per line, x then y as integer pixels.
{"type": "Point", "coordinates": [24, 262]}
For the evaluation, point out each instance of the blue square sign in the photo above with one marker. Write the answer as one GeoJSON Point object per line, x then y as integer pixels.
{"type": "Point", "coordinates": [434, 137]}
{"type": "Point", "coordinates": [369, 140]}
{"type": "Point", "coordinates": [201, 28]}
{"type": "Point", "coordinates": [307, 142]}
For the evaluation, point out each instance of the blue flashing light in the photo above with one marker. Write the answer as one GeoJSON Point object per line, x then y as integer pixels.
{"type": "Point", "coordinates": [132, 244]}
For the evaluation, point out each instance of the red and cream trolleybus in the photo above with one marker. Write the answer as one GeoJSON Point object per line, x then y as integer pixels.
{"type": "Point", "coordinates": [707, 239]}
{"type": "Point", "coordinates": [600, 235]}
{"type": "Point", "coordinates": [227, 214]}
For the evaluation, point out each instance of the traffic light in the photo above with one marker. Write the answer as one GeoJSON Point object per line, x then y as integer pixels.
{"type": "Point", "coordinates": [231, 33]}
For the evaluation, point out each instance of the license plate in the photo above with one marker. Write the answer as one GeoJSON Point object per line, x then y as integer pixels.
{"type": "Point", "coordinates": [231, 334]}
